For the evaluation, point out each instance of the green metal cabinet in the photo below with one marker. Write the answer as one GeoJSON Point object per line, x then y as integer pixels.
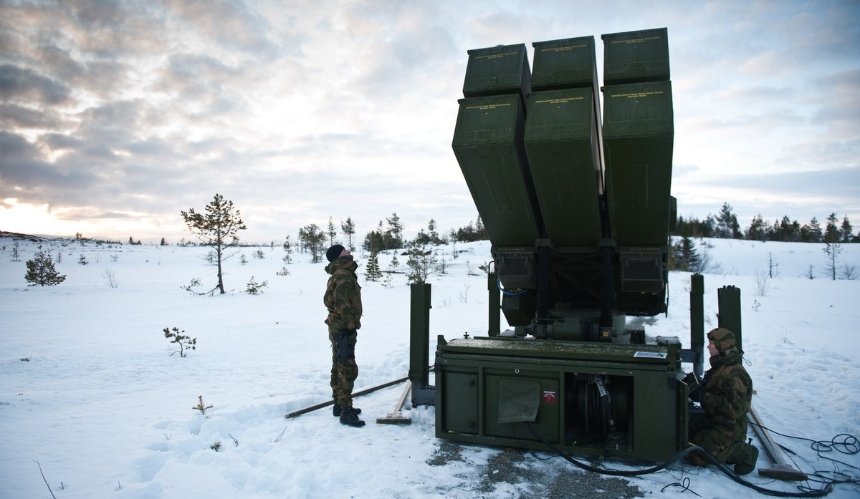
{"type": "Point", "coordinates": [646, 400]}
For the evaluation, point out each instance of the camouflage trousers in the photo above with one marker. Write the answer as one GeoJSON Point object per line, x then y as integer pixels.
{"type": "Point", "coordinates": [724, 447]}
{"type": "Point", "coordinates": [344, 370]}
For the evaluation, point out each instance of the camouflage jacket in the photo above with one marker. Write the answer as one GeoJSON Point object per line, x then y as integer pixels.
{"type": "Point", "coordinates": [727, 395]}
{"type": "Point", "coordinates": [343, 295]}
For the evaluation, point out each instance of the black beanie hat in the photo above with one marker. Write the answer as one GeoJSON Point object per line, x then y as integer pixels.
{"type": "Point", "coordinates": [334, 252]}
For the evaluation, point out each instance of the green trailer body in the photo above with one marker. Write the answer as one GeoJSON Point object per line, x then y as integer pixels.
{"type": "Point", "coordinates": [489, 389]}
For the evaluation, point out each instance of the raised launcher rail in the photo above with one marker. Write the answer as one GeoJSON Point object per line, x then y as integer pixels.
{"type": "Point", "coordinates": [578, 211]}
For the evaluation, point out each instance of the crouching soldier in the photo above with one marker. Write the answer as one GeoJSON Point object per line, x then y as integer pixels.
{"type": "Point", "coordinates": [726, 395]}
{"type": "Point", "coordinates": [343, 300]}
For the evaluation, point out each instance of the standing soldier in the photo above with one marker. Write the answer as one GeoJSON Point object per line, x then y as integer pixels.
{"type": "Point", "coordinates": [343, 301]}
{"type": "Point", "coordinates": [726, 398]}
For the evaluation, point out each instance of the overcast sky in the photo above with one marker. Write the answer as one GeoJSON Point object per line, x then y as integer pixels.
{"type": "Point", "coordinates": [114, 116]}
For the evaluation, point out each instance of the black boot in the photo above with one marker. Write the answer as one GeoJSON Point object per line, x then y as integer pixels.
{"type": "Point", "coordinates": [336, 410]}
{"type": "Point", "coordinates": [745, 459]}
{"type": "Point", "coordinates": [349, 417]}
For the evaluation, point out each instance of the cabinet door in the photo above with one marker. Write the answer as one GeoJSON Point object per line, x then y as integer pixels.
{"type": "Point", "coordinates": [461, 403]}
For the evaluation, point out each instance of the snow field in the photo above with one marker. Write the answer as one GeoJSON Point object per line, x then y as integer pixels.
{"type": "Point", "coordinates": [90, 390]}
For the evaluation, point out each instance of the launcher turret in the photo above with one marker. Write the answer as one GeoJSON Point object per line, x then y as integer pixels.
{"type": "Point", "coordinates": [577, 211]}
{"type": "Point", "coordinates": [577, 206]}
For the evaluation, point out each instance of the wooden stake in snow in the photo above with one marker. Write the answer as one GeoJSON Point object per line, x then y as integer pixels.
{"type": "Point", "coordinates": [395, 416]}
{"type": "Point", "coordinates": [780, 470]}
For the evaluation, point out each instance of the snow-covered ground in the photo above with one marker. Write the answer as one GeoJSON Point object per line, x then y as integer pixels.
{"type": "Point", "coordinates": [90, 393]}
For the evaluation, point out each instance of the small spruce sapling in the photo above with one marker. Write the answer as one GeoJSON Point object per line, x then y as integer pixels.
{"type": "Point", "coordinates": [372, 272]}
{"type": "Point", "coordinates": [41, 270]}
{"type": "Point", "coordinates": [185, 343]}
{"type": "Point", "coordinates": [254, 287]}
{"type": "Point", "coordinates": [201, 406]}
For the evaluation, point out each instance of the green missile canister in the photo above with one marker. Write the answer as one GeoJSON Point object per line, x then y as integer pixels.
{"type": "Point", "coordinates": [562, 148]}
{"type": "Point", "coordinates": [565, 63]}
{"type": "Point", "coordinates": [488, 145]}
{"type": "Point", "coordinates": [503, 69]}
{"type": "Point", "coordinates": [563, 140]}
{"type": "Point", "coordinates": [636, 56]}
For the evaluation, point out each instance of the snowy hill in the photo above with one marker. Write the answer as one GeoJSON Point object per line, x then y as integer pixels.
{"type": "Point", "coordinates": [89, 388]}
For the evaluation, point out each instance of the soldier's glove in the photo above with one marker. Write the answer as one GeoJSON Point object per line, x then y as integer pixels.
{"type": "Point", "coordinates": [345, 349]}
{"type": "Point", "coordinates": [693, 386]}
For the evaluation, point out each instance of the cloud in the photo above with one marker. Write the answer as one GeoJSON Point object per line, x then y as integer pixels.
{"type": "Point", "coordinates": [25, 85]}
{"type": "Point", "coordinates": [839, 106]}
{"type": "Point", "coordinates": [827, 182]}
{"type": "Point", "coordinates": [812, 192]}
{"type": "Point", "coordinates": [24, 175]}
{"type": "Point", "coordinates": [14, 148]}
{"type": "Point", "coordinates": [200, 86]}
{"type": "Point", "coordinates": [13, 116]}
{"type": "Point", "coordinates": [103, 78]}
{"type": "Point", "coordinates": [58, 142]}
{"type": "Point", "coordinates": [228, 25]}
{"type": "Point", "coordinates": [306, 109]}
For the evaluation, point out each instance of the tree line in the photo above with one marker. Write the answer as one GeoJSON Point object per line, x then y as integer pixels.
{"type": "Point", "coordinates": [725, 225]}
{"type": "Point", "coordinates": [218, 225]}
{"type": "Point", "coordinates": [387, 235]}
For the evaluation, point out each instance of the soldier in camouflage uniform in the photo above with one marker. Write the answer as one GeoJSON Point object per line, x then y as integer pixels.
{"type": "Point", "coordinates": [726, 395]}
{"type": "Point", "coordinates": [343, 301]}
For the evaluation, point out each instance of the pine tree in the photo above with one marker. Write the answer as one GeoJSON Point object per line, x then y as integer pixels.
{"type": "Point", "coordinates": [847, 231]}
{"type": "Point", "coordinates": [686, 257]}
{"type": "Point", "coordinates": [832, 250]}
{"type": "Point", "coordinates": [371, 271]}
{"type": "Point", "coordinates": [374, 241]}
{"type": "Point", "coordinates": [814, 231]}
{"type": "Point", "coordinates": [332, 232]}
{"type": "Point", "coordinates": [480, 229]}
{"type": "Point", "coordinates": [219, 228]}
{"type": "Point", "coordinates": [757, 230]}
{"type": "Point", "coordinates": [394, 234]}
{"type": "Point", "coordinates": [312, 238]}
{"type": "Point", "coordinates": [41, 271]}
{"type": "Point", "coordinates": [288, 250]}
{"type": "Point", "coordinates": [727, 223]}
{"type": "Point", "coordinates": [831, 231]}
{"type": "Point", "coordinates": [471, 232]}
{"type": "Point", "coordinates": [348, 228]}
{"type": "Point", "coordinates": [421, 262]}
